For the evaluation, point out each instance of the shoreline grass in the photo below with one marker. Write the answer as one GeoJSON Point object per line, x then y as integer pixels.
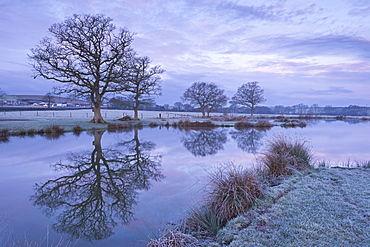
{"type": "Point", "coordinates": [249, 208]}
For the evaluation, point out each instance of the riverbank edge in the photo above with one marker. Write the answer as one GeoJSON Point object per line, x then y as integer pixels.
{"type": "Point", "coordinates": [30, 125]}
{"type": "Point", "coordinates": [319, 207]}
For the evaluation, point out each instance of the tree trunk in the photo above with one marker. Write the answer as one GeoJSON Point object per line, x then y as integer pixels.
{"type": "Point", "coordinates": [136, 112]}
{"type": "Point", "coordinates": [97, 114]}
{"type": "Point", "coordinates": [203, 113]}
{"type": "Point", "coordinates": [252, 110]}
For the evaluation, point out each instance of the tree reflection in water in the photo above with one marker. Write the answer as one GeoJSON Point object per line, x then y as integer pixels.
{"type": "Point", "coordinates": [100, 187]}
{"type": "Point", "coordinates": [204, 142]}
{"type": "Point", "coordinates": [249, 139]}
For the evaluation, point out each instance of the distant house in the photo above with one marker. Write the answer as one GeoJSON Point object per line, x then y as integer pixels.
{"type": "Point", "coordinates": [9, 100]}
{"type": "Point", "coordinates": [61, 104]}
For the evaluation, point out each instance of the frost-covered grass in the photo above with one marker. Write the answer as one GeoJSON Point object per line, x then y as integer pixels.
{"type": "Point", "coordinates": [320, 207]}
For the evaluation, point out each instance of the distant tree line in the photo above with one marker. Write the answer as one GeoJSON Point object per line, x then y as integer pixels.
{"type": "Point", "coordinates": [300, 109]}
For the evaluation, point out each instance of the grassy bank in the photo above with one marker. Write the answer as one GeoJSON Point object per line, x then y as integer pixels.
{"type": "Point", "coordinates": [324, 207]}
{"type": "Point", "coordinates": [284, 201]}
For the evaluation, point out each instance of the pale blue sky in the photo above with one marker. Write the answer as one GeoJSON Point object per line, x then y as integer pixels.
{"type": "Point", "coordinates": [300, 51]}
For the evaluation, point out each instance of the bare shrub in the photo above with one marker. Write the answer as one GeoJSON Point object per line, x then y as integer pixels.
{"type": "Point", "coordinates": [231, 191]}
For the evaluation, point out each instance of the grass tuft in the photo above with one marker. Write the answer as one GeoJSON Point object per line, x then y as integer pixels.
{"type": "Point", "coordinates": [231, 191]}
{"type": "Point", "coordinates": [202, 221]}
{"type": "Point", "coordinates": [174, 238]}
{"type": "Point", "coordinates": [284, 155]}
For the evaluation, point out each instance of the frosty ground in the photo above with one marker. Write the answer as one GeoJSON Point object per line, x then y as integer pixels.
{"type": "Point", "coordinates": [324, 207]}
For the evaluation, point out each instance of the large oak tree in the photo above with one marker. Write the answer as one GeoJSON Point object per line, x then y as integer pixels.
{"type": "Point", "coordinates": [87, 55]}
{"type": "Point", "coordinates": [207, 96]}
{"type": "Point", "coordinates": [249, 94]}
{"type": "Point", "coordinates": [141, 84]}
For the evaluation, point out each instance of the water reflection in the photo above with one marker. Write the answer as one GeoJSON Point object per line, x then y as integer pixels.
{"type": "Point", "coordinates": [204, 142]}
{"type": "Point", "coordinates": [249, 139]}
{"type": "Point", "coordinates": [99, 187]}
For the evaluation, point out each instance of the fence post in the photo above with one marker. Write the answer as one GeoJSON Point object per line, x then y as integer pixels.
{"type": "Point", "coordinates": [70, 114]}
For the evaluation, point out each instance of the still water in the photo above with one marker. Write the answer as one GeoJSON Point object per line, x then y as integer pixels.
{"type": "Point", "coordinates": [116, 189]}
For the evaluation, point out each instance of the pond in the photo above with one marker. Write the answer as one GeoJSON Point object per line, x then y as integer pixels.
{"type": "Point", "coordinates": [118, 188]}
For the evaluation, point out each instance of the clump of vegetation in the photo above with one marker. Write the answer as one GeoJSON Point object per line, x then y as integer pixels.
{"type": "Point", "coordinates": [263, 124]}
{"type": "Point", "coordinates": [112, 127]}
{"type": "Point", "coordinates": [196, 124]}
{"type": "Point", "coordinates": [117, 127]}
{"type": "Point", "coordinates": [153, 125]}
{"type": "Point", "coordinates": [230, 118]}
{"type": "Point", "coordinates": [243, 124]}
{"type": "Point", "coordinates": [284, 155]}
{"type": "Point", "coordinates": [202, 221]}
{"type": "Point", "coordinates": [259, 124]}
{"type": "Point", "coordinates": [4, 134]}
{"type": "Point", "coordinates": [52, 131]}
{"type": "Point", "coordinates": [294, 123]}
{"type": "Point", "coordinates": [174, 238]}
{"type": "Point", "coordinates": [21, 133]}
{"type": "Point", "coordinates": [231, 191]}
{"type": "Point", "coordinates": [77, 130]}
{"type": "Point", "coordinates": [31, 132]}
{"type": "Point", "coordinates": [125, 118]}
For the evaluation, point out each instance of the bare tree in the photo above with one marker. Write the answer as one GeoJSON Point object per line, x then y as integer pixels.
{"type": "Point", "coordinates": [301, 109]}
{"type": "Point", "coordinates": [207, 96]}
{"type": "Point", "coordinates": [2, 96]}
{"type": "Point", "coordinates": [142, 82]}
{"type": "Point", "coordinates": [249, 95]}
{"type": "Point", "coordinates": [86, 55]}
{"type": "Point", "coordinates": [49, 98]}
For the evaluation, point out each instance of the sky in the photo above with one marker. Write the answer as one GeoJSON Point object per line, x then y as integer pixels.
{"type": "Point", "coordinates": [299, 51]}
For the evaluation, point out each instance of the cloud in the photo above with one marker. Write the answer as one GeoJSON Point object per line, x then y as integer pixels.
{"type": "Point", "coordinates": [331, 45]}
{"type": "Point", "coordinates": [329, 91]}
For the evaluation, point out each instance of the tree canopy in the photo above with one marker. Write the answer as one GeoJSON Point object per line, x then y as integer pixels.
{"type": "Point", "coordinates": [141, 84]}
{"type": "Point", "coordinates": [249, 94]}
{"type": "Point", "coordinates": [87, 56]}
{"type": "Point", "coordinates": [207, 96]}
